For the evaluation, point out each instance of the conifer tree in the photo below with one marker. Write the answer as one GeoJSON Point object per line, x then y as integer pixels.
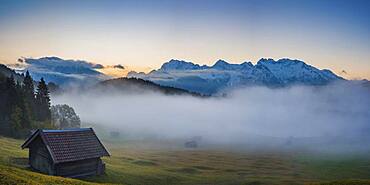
{"type": "Point", "coordinates": [28, 87]}
{"type": "Point", "coordinates": [29, 95]}
{"type": "Point", "coordinates": [10, 97]}
{"type": "Point", "coordinates": [16, 122]}
{"type": "Point", "coordinates": [11, 94]}
{"type": "Point", "coordinates": [43, 102]}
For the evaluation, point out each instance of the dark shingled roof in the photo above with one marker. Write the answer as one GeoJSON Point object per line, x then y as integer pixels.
{"type": "Point", "coordinates": [70, 145]}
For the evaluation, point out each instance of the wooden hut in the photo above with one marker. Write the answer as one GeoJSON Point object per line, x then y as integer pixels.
{"type": "Point", "coordinates": [191, 144]}
{"type": "Point", "coordinates": [67, 153]}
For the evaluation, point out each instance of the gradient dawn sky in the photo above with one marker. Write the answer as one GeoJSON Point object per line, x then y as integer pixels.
{"type": "Point", "coordinates": [332, 34]}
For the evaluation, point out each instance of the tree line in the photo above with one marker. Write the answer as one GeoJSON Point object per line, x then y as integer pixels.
{"type": "Point", "coordinates": [23, 109]}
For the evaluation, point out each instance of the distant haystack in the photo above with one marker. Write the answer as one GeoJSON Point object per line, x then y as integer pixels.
{"type": "Point", "coordinates": [191, 144]}
{"type": "Point", "coordinates": [115, 134]}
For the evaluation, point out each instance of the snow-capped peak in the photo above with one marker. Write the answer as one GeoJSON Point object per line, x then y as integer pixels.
{"type": "Point", "coordinates": [179, 65]}
{"type": "Point", "coordinates": [266, 60]}
{"type": "Point", "coordinates": [296, 71]}
{"type": "Point", "coordinates": [50, 58]}
{"type": "Point", "coordinates": [223, 65]}
{"type": "Point", "coordinates": [220, 63]}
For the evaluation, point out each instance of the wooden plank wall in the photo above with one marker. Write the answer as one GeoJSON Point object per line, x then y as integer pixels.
{"type": "Point", "coordinates": [39, 157]}
{"type": "Point", "coordinates": [78, 168]}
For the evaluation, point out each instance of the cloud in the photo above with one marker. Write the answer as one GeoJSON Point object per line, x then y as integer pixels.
{"type": "Point", "coordinates": [66, 71]}
{"type": "Point", "coordinates": [61, 71]}
{"type": "Point", "coordinates": [244, 116]}
{"type": "Point", "coordinates": [98, 66]}
{"type": "Point", "coordinates": [119, 66]}
{"type": "Point", "coordinates": [63, 66]}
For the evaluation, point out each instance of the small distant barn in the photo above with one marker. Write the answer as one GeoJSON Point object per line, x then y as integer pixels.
{"type": "Point", "coordinates": [191, 144]}
{"type": "Point", "coordinates": [67, 153]}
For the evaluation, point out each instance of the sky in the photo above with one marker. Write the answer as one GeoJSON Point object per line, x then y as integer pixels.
{"type": "Point", "coordinates": [330, 34]}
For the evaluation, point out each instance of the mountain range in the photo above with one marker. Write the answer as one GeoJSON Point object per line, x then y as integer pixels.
{"type": "Point", "coordinates": [180, 75]}
{"type": "Point", "coordinates": [202, 79]}
{"type": "Point", "coordinates": [223, 75]}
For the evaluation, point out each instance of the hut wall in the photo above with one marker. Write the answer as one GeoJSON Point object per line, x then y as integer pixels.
{"type": "Point", "coordinates": [39, 157]}
{"type": "Point", "coordinates": [79, 168]}
{"type": "Point", "coordinates": [101, 167]}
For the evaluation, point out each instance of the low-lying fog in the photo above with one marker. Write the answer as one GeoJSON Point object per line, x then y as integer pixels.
{"type": "Point", "coordinates": [340, 112]}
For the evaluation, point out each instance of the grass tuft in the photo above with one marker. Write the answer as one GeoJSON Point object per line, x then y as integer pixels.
{"type": "Point", "coordinates": [144, 163]}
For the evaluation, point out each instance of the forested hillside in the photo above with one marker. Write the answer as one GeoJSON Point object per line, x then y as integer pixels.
{"type": "Point", "coordinates": [136, 85]}
{"type": "Point", "coordinates": [22, 109]}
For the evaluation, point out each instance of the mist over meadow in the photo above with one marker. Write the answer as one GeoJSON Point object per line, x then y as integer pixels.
{"type": "Point", "coordinates": [340, 112]}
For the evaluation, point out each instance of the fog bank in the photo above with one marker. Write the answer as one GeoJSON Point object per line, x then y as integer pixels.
{"type": "Point", "coordinates": [338, 110]}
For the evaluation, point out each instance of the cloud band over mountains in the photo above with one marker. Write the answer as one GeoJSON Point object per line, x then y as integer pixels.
{"type": "Point", "coordinates": [64, 72]}
{"type": "Point", "coordinates": [185, 75]}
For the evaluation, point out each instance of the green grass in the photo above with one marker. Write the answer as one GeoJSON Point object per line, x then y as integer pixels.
{"type": "Point", "coordinates": [144, 163]}
{"type": "Point", "coordinates": [138, 163]}
{"type": "Point", "coordinates": [343, 182]}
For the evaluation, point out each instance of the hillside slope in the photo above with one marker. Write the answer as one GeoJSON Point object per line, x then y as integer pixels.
{"type": "Point", "coordinates": [7, 72]}
{"type": "Point", "coordinates": [138, 86]}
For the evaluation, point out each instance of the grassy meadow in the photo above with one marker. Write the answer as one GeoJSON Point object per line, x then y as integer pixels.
{"type": "Point", "coordinates": [137, 163]}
